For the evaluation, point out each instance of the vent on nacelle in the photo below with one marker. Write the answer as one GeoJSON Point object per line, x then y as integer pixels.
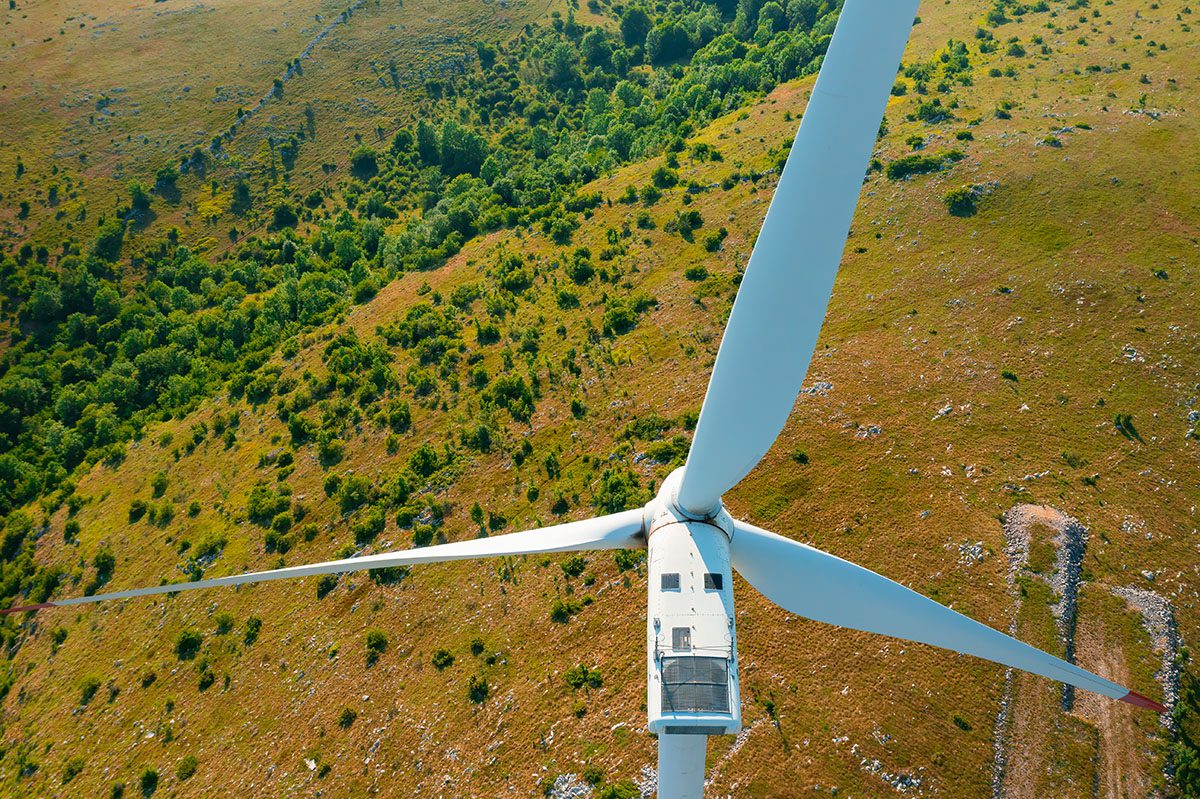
{"type": "Point", "coordinates": [695, 685]}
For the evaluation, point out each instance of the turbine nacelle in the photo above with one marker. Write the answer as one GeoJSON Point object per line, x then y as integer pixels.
{"type": "Point", "coordinates": [691, 637]}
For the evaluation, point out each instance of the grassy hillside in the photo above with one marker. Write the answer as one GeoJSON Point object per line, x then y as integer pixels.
{"type": "Point", "coordinates": [1032, 340]}
{"type": "Point", "coordinates": [103, 96]}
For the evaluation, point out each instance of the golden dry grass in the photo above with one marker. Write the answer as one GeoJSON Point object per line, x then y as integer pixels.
{"type": "Point", "coordinates": [1073, 232]}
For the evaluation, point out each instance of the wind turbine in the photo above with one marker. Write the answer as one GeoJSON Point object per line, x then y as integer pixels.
{"type": "Point", "coordinates": [694, 545]}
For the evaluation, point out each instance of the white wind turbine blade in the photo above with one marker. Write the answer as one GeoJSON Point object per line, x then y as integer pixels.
{"type": "Point", "coordinates": [617, 531]}
{"type": "Point", "coordinates": [777, 315]}
{"type": "Point", "coordinates": [681, 766]}
{"type": "Point", "coordinates": [822, 587]}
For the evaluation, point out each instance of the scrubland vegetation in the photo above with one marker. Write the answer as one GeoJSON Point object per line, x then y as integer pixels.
{"type": "Point", "coordinates": [416, 347]}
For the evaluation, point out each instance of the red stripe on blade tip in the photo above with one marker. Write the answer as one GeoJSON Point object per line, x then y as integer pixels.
{"type": "Point", "coordinates": [1134, 698]}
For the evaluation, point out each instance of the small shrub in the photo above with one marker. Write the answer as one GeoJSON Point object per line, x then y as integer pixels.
{"type": "Point", "coordinates": [581, 676]}
{"type": "Point", "coordinates": [574, 565]}
{"type": "Point", "coordinates": [424, 459]}
{"type": "Point", "coordinates": [186, 768]}
{"type": "Point", "coordinates": [921, 164]}
{"type": "Point", "coordinates": [618, 790]}
{"type": "Point", "coordinates": [148, 781]}
{"type": "Point", "coordinates": [685, 223]}
{"type": "Point", "coordinates": [713, 242]}
{"type": "Point", "coordinates": [650, 195]}
{"type": "Point", "coordinates": [1009, 375]}
{"type": "Point", "coordinates": [224, 622]}
{"type": "Point", "coordinates": [696, 272]}
{"type": "Point", "coordinates": [363, 163]}
{"type": "Point", "coordinates": [960, 201]}
{"type": "Point", "coordinates": [627, 559]}
{"type": "Point", "coordinates": [253, 626]}
{"type": "Point", "coordinates": [346, 718]}
{"type": "Point", "coordinates": [561, 610]}
{"type": "Point", "coordinates": [664, 177]}
{"type": "Point", "coordinates": [57, 637]}
{"type": "Point", "coordinates": [376, 644]}
{"type": "Point", "coordinates": [72, 769]}
{"type": "Point", "coordinates": [477, 646]}
{"type": "Point", "coordinates": [442, 659]}
{"type": "Point", "coordinates": [353, 493]}
{"type": "Point", "coordinates": [326, 584]}
{"type": "Point", "coordinates": [282, 522]}
{"type": "Point", "coordinates": [422, 535]}
{"type": "Point", "coordinates": [1124, 424]}
{"type": "Point", "coordinates": [1074, 461]}
{"type": "Point", "coordinates": [187, 645]}
{"type": "Point", "coordinates": [477, 689]}
{"type": "Point", "coordinates": [369, 525]}
{"type": "Point", "coordinates": [389, 576]}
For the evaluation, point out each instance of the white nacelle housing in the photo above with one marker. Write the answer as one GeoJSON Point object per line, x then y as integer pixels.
{"type": "Point", "coordinates": [692, 682]}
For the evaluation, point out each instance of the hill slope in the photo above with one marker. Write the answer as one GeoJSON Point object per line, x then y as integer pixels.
{"type": "Point", "coordinates": [1040, 347]}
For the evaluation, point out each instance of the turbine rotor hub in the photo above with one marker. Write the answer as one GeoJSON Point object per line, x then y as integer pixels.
{"type": "Point", "coordinates": [665, 509]}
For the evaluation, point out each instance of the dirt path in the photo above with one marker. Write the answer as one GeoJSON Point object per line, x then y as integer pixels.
{"type": "Point", "coordinates": [1122, 763]}
{"type": "Point", "coordinates": [293, 69]}
{"type": "Point", "coordinates": [1027, 716]}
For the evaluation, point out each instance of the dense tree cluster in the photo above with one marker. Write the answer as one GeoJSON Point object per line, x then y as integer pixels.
{"type": "Point", "coordinates": [137, 328]}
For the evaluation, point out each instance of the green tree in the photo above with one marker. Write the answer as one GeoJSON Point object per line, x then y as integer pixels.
{"type": "Point", "coordinates": [428, 149]}
{"type": "Point", "coordinates": [139, 199]}
{"type": "Point", "coordinates": [462, 150]}
{"type": "Point", "coordinates": [108, 239]}
{"type": "Point", "coordinates": [284, 216]}
{"type": "Point", "coordinates": [666, 43]}
{"type": "Point", "coordinates": [364, 163]}
{"type": "Point", "coordinates": [166, 177]}
{"type": "Point", "coordinates": [635, 24]}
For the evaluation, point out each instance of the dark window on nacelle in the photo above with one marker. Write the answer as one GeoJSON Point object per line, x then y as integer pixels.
{"type": "Point", "coordinates": [714, 581]}
{"type": "Point", "coordinates": [681, 638]}
{"type": "Point", "coordinates": [670, 581]}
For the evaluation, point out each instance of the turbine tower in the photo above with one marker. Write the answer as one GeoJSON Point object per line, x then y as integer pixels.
{"type": "Point", "coordinates": [693, 544]}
